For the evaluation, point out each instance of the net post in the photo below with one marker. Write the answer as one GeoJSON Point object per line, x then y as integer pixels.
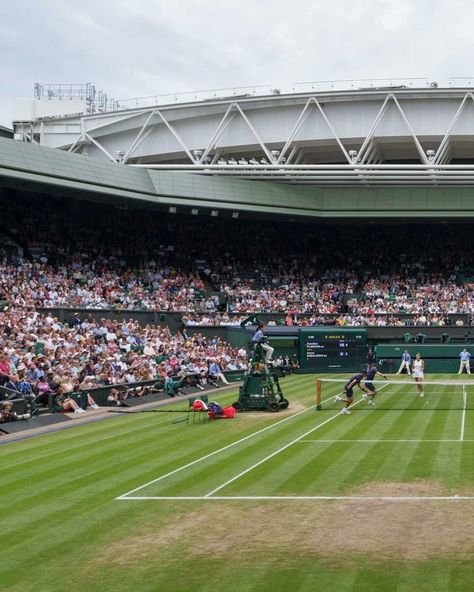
{"type": "Point", "coordinates": [318, 394]}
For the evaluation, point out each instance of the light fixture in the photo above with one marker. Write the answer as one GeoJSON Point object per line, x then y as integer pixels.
{"type": "Point", "coordinates": [263, 161]}
{"type": "Point", "coordinates": [235, 215]}
{"type": "Point", "coordinates": [232, 161]}
{"type": "Point", "coordinates": [172, 210]}
{"type": "Point", "coordinates": [253, 161]}
{"type": "Point", "coordinates": [197, 154]}
{"type": "Point", "coordinates": [430, 154]}
{"type": "Point", "coordinates": [214, 213]}
{"type": "Point", "coordinates": [222, 161]}
{"type": "Point", "coordinates": [194, 211]}
{"type": "Point", "coordinates": [243, 161]}
{"type": "Point", "coordinates": [275, 154]}
{"type": "Point", "coordinates": [352, 154]}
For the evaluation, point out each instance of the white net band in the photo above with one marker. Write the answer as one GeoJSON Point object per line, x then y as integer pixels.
{"type": "Point", "coordinates": [460, 383]}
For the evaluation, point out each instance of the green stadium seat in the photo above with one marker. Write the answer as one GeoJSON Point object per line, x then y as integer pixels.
{"type": "Point", "coordinates": [445, 338]}
{"type": "Point", "coordinates": [420, 338]}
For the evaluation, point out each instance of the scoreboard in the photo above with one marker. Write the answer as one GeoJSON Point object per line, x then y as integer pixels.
{"type": "Point", "coordinates": [332, 349]}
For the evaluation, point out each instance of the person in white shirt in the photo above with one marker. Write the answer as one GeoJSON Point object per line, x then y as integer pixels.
{"type": "Point", "coordinates": [418, 368]}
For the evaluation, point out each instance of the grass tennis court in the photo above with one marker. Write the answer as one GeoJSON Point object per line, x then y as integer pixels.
{"type": "Point", "coordinates": [306, 500]}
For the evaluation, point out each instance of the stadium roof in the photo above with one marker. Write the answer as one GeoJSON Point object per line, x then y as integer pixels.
{"type": "Point", "coordinates": [37, 168]}
{"type": "Point", "coordinates": [360, 137]}
{"type": "Point", "coordinates": [6, 132]}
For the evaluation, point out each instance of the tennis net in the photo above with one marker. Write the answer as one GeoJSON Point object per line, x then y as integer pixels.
{"type": "Point", "coordinates": [398, 394]}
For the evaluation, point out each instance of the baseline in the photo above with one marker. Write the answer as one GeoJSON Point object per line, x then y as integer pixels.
{"type": "Point", "coordinates": [346, 498]}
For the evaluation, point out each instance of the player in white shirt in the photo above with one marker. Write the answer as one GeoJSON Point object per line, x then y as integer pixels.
{"type": "Point", "coordinates": [418, 371]}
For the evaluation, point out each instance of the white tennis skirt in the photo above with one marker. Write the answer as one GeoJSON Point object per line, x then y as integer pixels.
{"type": "Point", "coordinates": [418, 374]}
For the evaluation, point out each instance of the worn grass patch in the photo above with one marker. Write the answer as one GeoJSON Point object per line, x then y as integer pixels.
{"type": "Point", "coordinates": [402, 530]}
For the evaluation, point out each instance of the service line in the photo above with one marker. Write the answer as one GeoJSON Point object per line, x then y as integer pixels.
{"type": "Point", "coordinates": [298, 439]}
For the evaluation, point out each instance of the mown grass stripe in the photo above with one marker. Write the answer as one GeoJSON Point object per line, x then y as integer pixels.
{"type": "Point", "coordinates": [200, 459]}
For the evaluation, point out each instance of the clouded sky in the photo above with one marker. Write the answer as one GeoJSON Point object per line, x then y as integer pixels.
{"type": "Point", "coordinates": [132, 48]}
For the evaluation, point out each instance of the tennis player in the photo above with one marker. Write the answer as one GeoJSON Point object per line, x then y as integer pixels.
{"type": "Point", "coordinates": [371, 393]}
{"type": "Point", "coordinates": [349, 391]}
{"type": "Point", "coordinates": [418, 371]}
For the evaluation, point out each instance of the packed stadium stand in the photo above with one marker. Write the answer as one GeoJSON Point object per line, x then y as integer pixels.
{"type": "Point", "coordinates": [95, 256]}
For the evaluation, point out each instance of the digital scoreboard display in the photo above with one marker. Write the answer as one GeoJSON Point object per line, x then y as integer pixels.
{"type": "Point", "coordinates": [332, 350]}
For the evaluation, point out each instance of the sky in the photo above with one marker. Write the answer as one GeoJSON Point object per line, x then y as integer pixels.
{"type": "Point", "coordinates": [134, 48]}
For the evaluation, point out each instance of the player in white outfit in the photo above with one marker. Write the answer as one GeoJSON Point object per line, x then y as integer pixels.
{"type": "Point", "coordinates": [418, 371]}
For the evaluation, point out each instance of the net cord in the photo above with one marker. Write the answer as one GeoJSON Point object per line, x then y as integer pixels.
{"type": "Point", "coordinates": [459, 383]}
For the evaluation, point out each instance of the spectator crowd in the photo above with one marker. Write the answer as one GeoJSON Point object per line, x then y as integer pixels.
{"type": "Point", "coordinates": [92, 256]}
{"type": "Point", "coordinates": [40, 355]}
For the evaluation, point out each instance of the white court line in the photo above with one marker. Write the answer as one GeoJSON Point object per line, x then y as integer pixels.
{"type": "Point", "coordinates": [349, 498]}
{"type": "Point", "coordinates": [260, 462]}
{"type": "Point", "coordinates": [382, 441]}
{"type": "Point", "coordinates": [190, 464]}
{"type": "Point", "coordinates": [463, 417]}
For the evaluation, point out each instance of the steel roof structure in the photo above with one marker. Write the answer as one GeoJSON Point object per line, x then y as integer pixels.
{"type": "Point", "coordinates": [394, 136]}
